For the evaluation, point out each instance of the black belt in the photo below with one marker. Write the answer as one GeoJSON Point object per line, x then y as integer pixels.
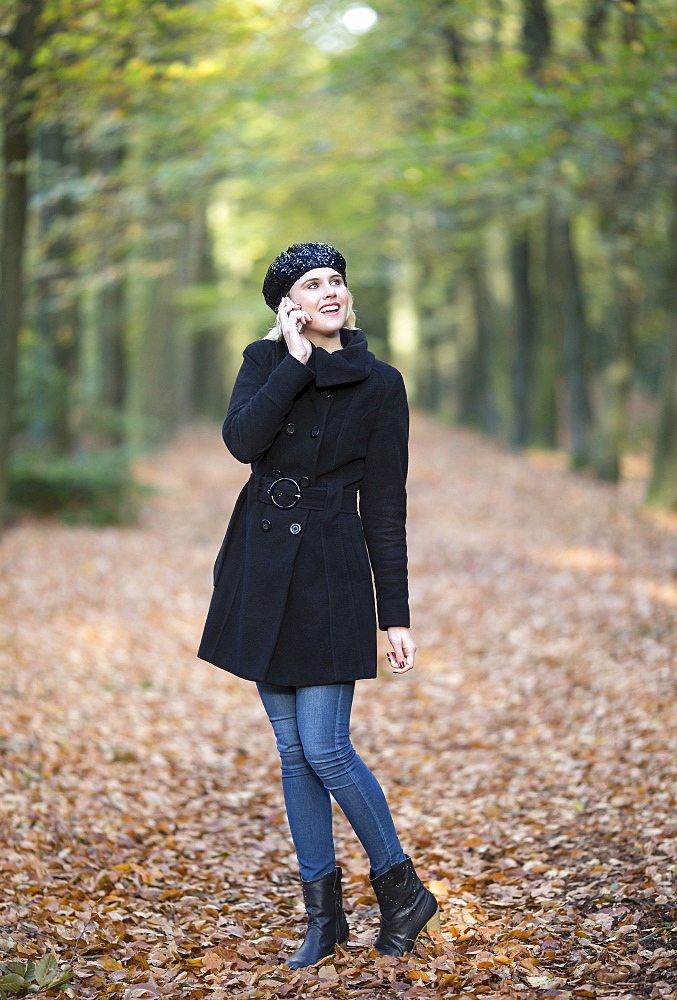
{"type": "Point", "coordinates": [286, 493]}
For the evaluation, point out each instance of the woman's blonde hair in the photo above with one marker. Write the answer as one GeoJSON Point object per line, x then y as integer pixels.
{"type": "Point", "coordinates": [275, 332]}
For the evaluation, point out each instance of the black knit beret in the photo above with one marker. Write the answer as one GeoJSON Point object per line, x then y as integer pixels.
{"type": "Point", "coordinates": [295, 261]}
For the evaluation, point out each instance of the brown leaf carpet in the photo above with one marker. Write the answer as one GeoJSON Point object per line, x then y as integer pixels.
{"type": "Point", "coordinates": [530, 760]}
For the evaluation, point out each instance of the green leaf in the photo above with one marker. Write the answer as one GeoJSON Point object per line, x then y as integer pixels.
{"type": "Point", "coordinates": [12, 983]}
{"type": "Point", "coordinates": [19, 969]}
{"type": "Point", "coordinates": [62, 977]}
{"type": "Point", "coordinates": [45, 969]}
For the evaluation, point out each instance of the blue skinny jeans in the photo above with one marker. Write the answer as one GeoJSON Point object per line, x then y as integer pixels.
{"type": "Point", "coordinates": [312, 729]}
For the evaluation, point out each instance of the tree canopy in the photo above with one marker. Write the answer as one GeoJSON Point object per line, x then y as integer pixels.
{"type": "Point", "coordinates": [500, 175]}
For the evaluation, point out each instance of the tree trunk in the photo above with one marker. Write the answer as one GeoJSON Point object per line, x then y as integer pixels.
{"type": "Point", "coordinates": [611, 428]}
{"type": "Point", "coordinates": [155, 382]}
{"type": "Point", "coordinates": [662, 490]}
{"type": "Point", "coordinates": [536, 43]}
{"type": "Point", "coordinates": [17, 110]}
{"type": "Point", "coordinates": [205, 364]}
{"type": "Point", "coordinates": [112, 301]}
{"type": "Point", "coordinates": [566, 314]}
{"type": "Point", "coordinates": [630, 22]}
{"type": "Point", "coordinates": [112, 353]}
{"type": "Point", "coordinates": [525, 327]}
{"type": "Point", "coordinates": [56, 305]}
{"type": "Point", "coordinates": [207, 397]}
{"type": "Point", "coordinates": [477, 405]}
{"type": "Point", "coordinates": [548, 344]}
{"type": "Point", "coordinates": [595, 22]}
{"type": "Point", "coordinates": [536, 33]}
{"type": "Point", "coordinates": [575, 360]}
{"type": "Point", "coordinates": [663, 484]}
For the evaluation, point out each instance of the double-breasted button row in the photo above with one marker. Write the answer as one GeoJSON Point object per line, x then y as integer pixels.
{"type": "Point", "coordinates": [290, 429]}
{"type": "Point", "coordinates": [294, 528]}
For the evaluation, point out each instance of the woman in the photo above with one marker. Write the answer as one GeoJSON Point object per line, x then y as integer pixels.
{"type": "Point", "coordinates": [320, 420]}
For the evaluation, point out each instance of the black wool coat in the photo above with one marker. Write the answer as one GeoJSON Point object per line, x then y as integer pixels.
{"type": "Point", "coordinates": [293, 599]}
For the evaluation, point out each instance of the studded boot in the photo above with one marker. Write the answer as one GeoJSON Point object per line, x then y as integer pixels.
{"type": "Point", "coordinates": [327, 924]}
{"type": "Point", "coordinates": [406, 908]}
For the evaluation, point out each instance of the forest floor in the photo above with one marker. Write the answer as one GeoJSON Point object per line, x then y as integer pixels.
{"type": "Point", "coordinates": [530, 760]}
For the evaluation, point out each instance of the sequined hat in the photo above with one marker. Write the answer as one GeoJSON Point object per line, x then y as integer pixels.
{"type": "Point", "coordinates": [295, 261]}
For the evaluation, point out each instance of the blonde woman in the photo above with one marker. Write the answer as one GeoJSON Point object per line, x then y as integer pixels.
{"type": "Point", "coordinates": [322, 422]}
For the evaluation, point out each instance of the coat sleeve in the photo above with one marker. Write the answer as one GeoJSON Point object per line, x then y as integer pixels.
{"type": "Point", "coordinates": [259, 403]}
{"type": "Point", "coordinates": [383, 506]}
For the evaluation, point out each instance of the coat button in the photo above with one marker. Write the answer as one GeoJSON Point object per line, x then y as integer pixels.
{"type": "Point", "coordinates": [326, 393]}
{"type": "Point", "coordinates": [304, 481]}
{"type": "Point", "coordinates": [314, 431]}
{"type": "Point", "coordinates": [290, 429]}
{"type": "Point", "coordinates": [265, 524]}
{"type": "Point", "coordinates": [294, 528]}
{"type": "Point", "coordinates": [276, 474]}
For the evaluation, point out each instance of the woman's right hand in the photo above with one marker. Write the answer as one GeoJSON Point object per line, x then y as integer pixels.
{"type": "Point", "coordinates": [292, 319]}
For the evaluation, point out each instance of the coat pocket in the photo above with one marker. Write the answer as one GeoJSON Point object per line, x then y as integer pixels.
{"type": "Point", "coordinates": [355, 546]}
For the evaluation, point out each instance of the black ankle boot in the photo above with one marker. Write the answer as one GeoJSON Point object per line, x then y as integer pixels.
{"type": "Point", "coordinates": [406, 908]}
{"type": "Point", "coordinates": [327, 924]}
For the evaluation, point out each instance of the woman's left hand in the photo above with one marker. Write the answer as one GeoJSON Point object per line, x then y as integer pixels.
{"type": "Point", "coordinates": [404, 650]}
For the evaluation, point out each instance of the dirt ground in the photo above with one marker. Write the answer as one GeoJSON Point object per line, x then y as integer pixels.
{"type": "Point", "coordinates": [530, 760]}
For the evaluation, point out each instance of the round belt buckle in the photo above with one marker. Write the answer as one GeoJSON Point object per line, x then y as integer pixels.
{"type": "Point", "coordinates": [284, 496]}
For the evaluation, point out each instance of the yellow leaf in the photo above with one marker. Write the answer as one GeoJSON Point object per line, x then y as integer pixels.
{"type": "Point", "coordinates": [438, 888]}
{"type": "Point", "coordinates": [109, 963]}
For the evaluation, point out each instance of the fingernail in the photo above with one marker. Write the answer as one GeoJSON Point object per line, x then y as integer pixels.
{"type": "Point", "coordinates": [401, 663]}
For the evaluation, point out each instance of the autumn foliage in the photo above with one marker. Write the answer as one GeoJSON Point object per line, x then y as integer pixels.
{"type": "Point", "coordinates": [530, 760]}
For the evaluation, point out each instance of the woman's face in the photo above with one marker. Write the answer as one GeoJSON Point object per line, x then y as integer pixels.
{"type": "Point", "coordinates": [323, 294]}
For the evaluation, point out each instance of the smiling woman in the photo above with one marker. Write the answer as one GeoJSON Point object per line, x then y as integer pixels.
{"type": "Point", "coordinates": [321, 421]}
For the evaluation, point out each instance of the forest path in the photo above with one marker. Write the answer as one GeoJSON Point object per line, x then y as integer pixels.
{"type": "Point", "coordinates": [530, 759]}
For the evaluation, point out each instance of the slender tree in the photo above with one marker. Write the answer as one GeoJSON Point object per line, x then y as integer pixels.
{"type": "Point", "coordinates": [18, 108]}
{"type": "Point", "coordinates": [663, 483]}
{"type": "Point", "coordinates": [575, 341]}
{"type": "Point", "coordinates": [595, 21]}
{"type": "Point", "coordinates": [536, 44]}
{"type": "Point", "coordinates": [55, 306]}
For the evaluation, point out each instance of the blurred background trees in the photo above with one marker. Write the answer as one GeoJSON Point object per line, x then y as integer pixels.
{"type": "Point", "coordinates": [501, 175]}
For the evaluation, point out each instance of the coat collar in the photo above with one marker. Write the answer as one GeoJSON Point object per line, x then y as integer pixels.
{"type": "Point", "coordinates": [350, 364]}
